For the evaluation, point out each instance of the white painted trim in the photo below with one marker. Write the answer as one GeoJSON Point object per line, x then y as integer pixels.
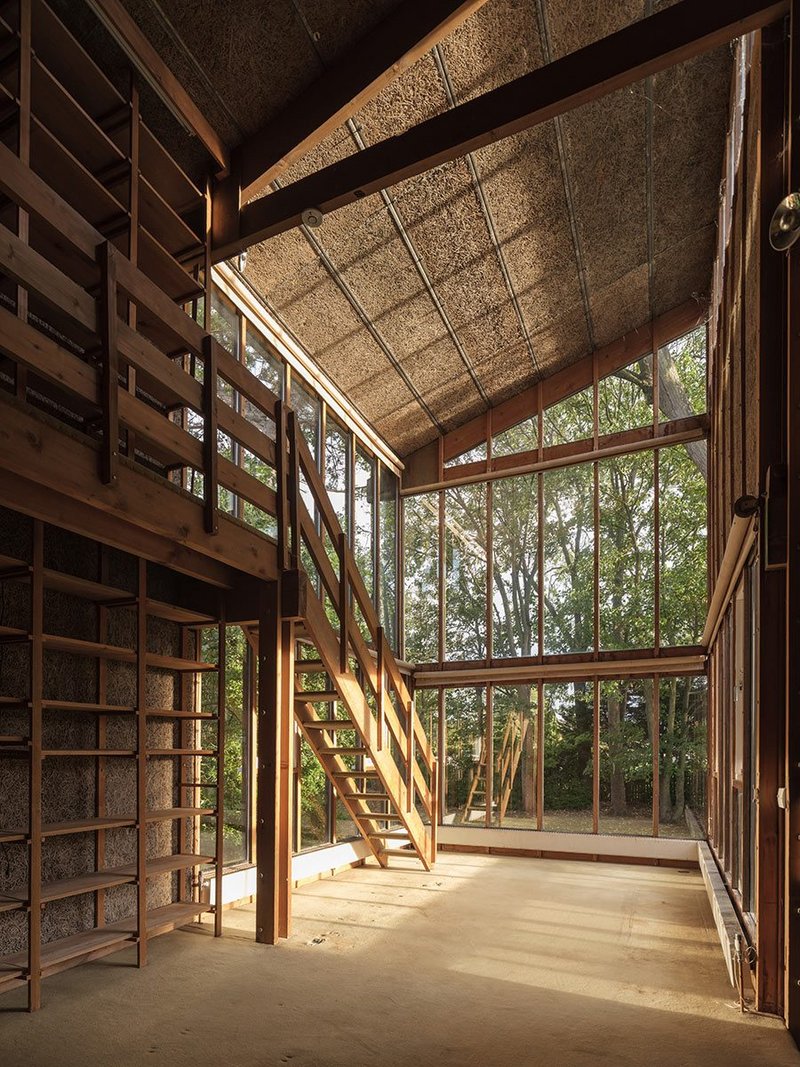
{"type": "Point", "coordinates": [655, 848]}
{"type": "Point", "coordinates": [240, 883]}
{"type": "Point", "coordinates": [725, 916]}
{"type": "Point", "coordinates": [326, 860]}
{"type": "Point", "coordinates": [299, 360]}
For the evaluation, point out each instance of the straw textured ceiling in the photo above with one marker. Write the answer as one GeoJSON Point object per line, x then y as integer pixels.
{"type": "Point", "coordinates": [456, 289]}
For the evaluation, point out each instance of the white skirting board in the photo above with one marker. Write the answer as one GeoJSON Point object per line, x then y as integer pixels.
{"type": "Point", "coordinates": [725, 916]}
{"type": "Point", "coordinates": [664, 848]}
{"type": "Point", "coordinates": [240, 883]}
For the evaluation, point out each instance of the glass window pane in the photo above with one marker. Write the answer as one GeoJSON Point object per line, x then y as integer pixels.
{"type": "Point", "coordinates": [225, 322]}
{"type": "Point", "coordinates": [683, 542]}
{"type": "Point", "coordinates": [420, 577]}
{"type": "Point", "coordinates": [625, 398]}
{"type": "Point", "coordinates": [627, 552]}
{"type": "Point", "coordinates": [313, 799]}
{"type": "Point", "coordinates": [524, 437]}
{"type": "Point", "coordinates": [570, 420]}
{"type": "Point", "coordinates": [515, 570]}
{"type": "Point", "coordinates": [568, 764]}
{"type": "Point", "coordinates": [683, 757]}
{"type": "Point", "coordinates": [337, 446]}
{"type": "Point", "coordinates": [626, 757]}
{"type": "Point", "coordinates": [472, 455]}
{"type": "Point", "coordinates": [236, 829]}
{"type": "Point", "coordinates": [465, 572]}
{"type": "Point", "coordinates": [569, 559]}
{"type": "Point", "coordinates": [308, 408]}
{"type": "Point", "coordinates": [682, 376]}
{"type": "Point", "coordinates": [465, 718]}
{"type": "Point", "coordinates": [515, 778]}
{"type": "Point", "coordinates": [388, 530]}
{"type": "Point", "coordinates": [426, 702]}
{"type": "Point", "coordinates": [364, 546]}
{"type": "Point", "coordinates": [262, 361]}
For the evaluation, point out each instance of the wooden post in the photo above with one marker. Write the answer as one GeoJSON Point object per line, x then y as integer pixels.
{"type": "Point", "coordinates": [489, 782]}
{"type": "Point", "coordinates": [293, 490]}
{"type": "Point", "coordinates": [273, 797]}
{"type": "Point", "coordinates": [596, 757]}
{"type": "Point", "coordinates": [282, 503]}
{"type": "Point", "coordinates": [220, 822]}
{"type": "Point", "coordinates": [381, 694]}
{"type": "Point", "coordinates": [109, 355]}
{"type": "Point", "coordinates": [35, 779]}
{"type": "Point", "coordinates": [792, 780]}
{"type": "Point", "coordinates": [771, 647]}
{"type": "Point", "coordinates": [24, 152]}
{"type": "Point", "coordinates": [411, 756]}
{"type": "Point", "coordinates": [141, 764]}
{"type": "Point", "coordinates": [210, 477]}
{"type": "Point", "coordinates": [344, 607]}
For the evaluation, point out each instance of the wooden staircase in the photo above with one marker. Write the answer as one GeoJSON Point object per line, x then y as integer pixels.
{"type": "Point", "coordinates": [351, 700]}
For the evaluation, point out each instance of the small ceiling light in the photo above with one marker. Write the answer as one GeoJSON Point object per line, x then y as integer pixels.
{"type": "Point", "coordinates": [785, 226]}
{"type": "Point", "coordinates": [312, 216]}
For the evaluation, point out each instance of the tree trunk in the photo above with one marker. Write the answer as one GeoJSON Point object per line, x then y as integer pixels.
{"type": "Point", "coordinates": [527, 764]}
{"type": "Point", "coordinates": [619, 804]}
{"type": "Point", "coordinates": [666, 812]}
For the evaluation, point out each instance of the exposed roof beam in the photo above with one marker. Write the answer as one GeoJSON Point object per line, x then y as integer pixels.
{"type": "Point", "coordinates": [408, 32]}
{"type": "Point", "coordinates": [656, 43]}
{"type": "Point", "coordinates": [155, 71]}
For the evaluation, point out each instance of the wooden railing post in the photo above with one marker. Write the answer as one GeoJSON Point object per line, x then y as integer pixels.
{"type": "Point", "coordinates": [109, 357]}
{"type": "Point", "coordinates": [344, 603]}
{"type": "Point", "coordinates": [434, 809]}
{"type": "Point", "coordinates": [210, 465]}
{"type": "Point", "coordinates": [282, 503]}
{"type": "Point", "coordinates": [381, 693]}
{"type": "Point", "coordinates": [293, 490]}
{"type": "Point", "coordinates": [411, 754]}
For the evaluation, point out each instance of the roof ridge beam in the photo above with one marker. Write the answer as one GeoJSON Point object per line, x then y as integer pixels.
{"type": "Point", "coordinates": [644, 48]}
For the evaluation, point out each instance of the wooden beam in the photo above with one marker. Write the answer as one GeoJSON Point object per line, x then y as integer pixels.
{"type": "Point", "coordinates": [154, 70]}
{"type": "Point", "coordinates": [626, 666]}
{"type": "Point", "coordinates": [367, 67]}
{"type": "Point", "coordinates": [653, 44]}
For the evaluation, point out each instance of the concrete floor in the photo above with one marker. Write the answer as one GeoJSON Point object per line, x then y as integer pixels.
{"type": "Point", "coordinates": [486, 961]}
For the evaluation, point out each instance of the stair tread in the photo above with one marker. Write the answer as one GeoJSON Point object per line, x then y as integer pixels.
{"type": "Point", "coordinates": [312, 696]}
{"type": "Point", "coordinates": [329, 724]}
{"type": "Point", "coordinates": [369, 796]}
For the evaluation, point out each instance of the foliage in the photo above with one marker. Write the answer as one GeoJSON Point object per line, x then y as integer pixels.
{"type": "Point", "coordinates": [564, 605]}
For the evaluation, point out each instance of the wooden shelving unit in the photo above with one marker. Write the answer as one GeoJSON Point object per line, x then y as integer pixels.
{"type": "Point", "coordinates": [186, 809]}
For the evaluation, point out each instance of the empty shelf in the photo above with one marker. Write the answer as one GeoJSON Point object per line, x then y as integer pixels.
{"type": "Point", "coordinates": [164, 814]}
{"type": "Point", "coordinates": [79, 826]}
{"type": "Point", "coordinates": [175, 663]}
{"type": "Point", "coordinates": [98, 649]}
{"type": "Point", "coordinates": [87, 883]}
{"type": "Point", "coordinates": [178, 862]}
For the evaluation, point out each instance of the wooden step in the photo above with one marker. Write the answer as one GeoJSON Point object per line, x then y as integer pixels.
{"type": "Point", "coordinates": [344, 752]}
{"type": "Point", "coordinates": [329, 724]}
{"type": "Point", "coordinates": [309, 666]}
{"type": "Point", "coordinates": [371, 773]}
{"type": "Point", "coordinates": [368, 796]}
{"type": "Point", "coordinates": [316, 696]}
{"type": "Point", "coordinates": [390, 835]}
{"type": "Point", "coordinates": [377, 816]}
